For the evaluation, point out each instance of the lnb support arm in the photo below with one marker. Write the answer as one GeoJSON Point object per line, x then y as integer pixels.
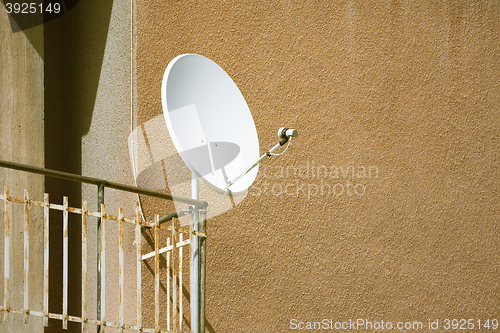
{"type": "Point", "coordinates": [284, 134]}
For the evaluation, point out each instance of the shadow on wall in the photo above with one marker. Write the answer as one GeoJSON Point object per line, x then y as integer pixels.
{"type": "Point", "coordinates": [26, 15]}
{"type": "Point", "coordinates": [185, 292]}
{"type": "Point", "coordinates": [74, 46]}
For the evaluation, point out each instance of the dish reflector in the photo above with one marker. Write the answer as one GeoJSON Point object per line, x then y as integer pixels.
{"type": "Point", "coordinates": [209, 122]}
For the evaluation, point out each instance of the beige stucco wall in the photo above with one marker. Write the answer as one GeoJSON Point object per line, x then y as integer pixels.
{"type": "Point", "coordinates": [408, 90]}
{"type": "Point", "coordinates": [386, 206]}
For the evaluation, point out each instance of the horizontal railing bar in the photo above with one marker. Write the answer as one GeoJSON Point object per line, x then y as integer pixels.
{"type": "Point", "coordinates": [166, 249]}
{"type": "Point", "coordinates": [178, 214]}
{"type": "Point", "coordinates": [74, 210]}
{"type": "Point", "coordinates": [107, 216]}
{"type": "Point", "coordinates": [80, 320]}
{"type": "Point", "coordinates": [97, 181]}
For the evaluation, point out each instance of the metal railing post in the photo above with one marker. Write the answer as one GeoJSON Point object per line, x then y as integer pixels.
{"type": "Point", "coordinates": [194, 262]}
{"type": "Point", "coordinates": [203, 273]}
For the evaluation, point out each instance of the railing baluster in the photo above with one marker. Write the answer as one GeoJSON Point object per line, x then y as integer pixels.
{"type": "Point", "coordinates": [180, 282]}
{"type": "Point", "coordinates": [102, 256]}
{"type": "Point", "coordinates": [26, 254]}
{"type": "Point", "coordinates": [84, 266]}
{"type": "Point", "coordinates": [121, 267]}
{"type": "Point", "coordinates": [157, 273]}
{"type": "Point", "coordinates": [168, 286]}
{"type": "Point", "coordinates": [65, 263]}
{"type": "Point", "coordinates": [6, 290]}
{"type": "Point", "coordinates": [138, 237]}
{"type": "Point", "coordinates": [100, 248]}
{"type": "Point", "coordinates": [46, 213]}
{"type": "Point", "coordinates": [175, 313]}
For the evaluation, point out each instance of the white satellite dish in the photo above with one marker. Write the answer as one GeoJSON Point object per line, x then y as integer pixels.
{"type": "Point", "coordinates": [213, 131]}
{"type": "Point", "coordinates": [210, 123]}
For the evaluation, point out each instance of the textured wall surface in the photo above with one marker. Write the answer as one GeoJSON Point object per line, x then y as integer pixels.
{"type": "Point", "coordinates": [21, 140]}
{"type": "Point", "coordinates": [65, 104]}
{"type": "Point", "coordinates": [386, 206]}
{"type": "Point", "coordinates": [88, 119]}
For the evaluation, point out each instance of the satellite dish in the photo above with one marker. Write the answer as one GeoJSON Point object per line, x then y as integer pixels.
{"type": "Point", "coordinates": [213, 131]}
{"type": "Point", "coordinates": [210, 123]}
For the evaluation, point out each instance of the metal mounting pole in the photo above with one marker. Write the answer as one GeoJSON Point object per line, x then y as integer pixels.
{"type": "Point", "coordinates": [203, 247]}
{"type": "Point", "coordinates": [195, 268]}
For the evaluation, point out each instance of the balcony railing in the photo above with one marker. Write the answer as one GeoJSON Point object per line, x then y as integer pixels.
{"type": "Point", "coordinates": [166, 230]}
